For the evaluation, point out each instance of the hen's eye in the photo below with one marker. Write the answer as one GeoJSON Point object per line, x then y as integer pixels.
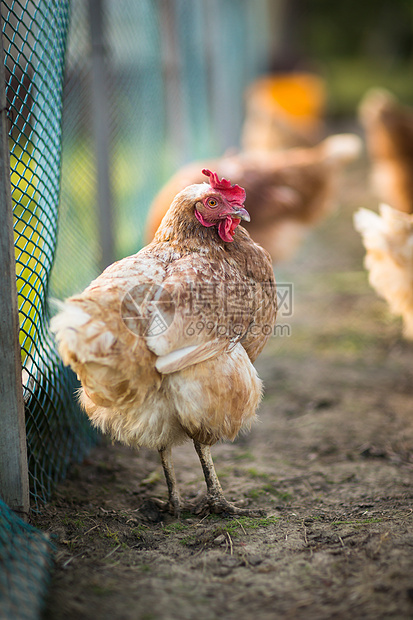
{"type": "Point", "coordinates": [212, 202]}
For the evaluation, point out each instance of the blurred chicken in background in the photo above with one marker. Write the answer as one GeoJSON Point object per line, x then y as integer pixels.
{"type": "Point", "coordinates": [388, 239]}
{"type": "Point", "coordinates": [284, 110]}
{"type": "Point", "coordinates": [389, 136]}
{"type": "Point", "coordinates": [287, 192]}
{"type": "Point", "coordinates": [388, 236]}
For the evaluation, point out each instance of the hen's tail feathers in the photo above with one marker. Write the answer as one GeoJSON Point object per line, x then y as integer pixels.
{"type": "Point", "coordinates": [79, 338]}
{"type": "Point", "coordinates": [388, 239]}
{"type": "Point", "coordinates": [342, 148]}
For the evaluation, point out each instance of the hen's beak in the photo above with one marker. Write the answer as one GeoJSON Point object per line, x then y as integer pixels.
{"type": "Point", "coordinates": [241, 213]}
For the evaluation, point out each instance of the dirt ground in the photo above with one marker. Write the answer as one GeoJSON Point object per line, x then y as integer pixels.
{"type": "Point", "coordinates": [330, 462]}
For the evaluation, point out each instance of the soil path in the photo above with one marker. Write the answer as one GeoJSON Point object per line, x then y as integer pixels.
{"type": "Point", "coordinates": [330, 461]}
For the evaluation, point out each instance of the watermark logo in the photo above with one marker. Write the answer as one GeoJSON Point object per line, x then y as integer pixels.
{"type": "Point", "coordinates": [219, 309]}
{"type": "Point", "coordinates": [285, 299]}
{"type": "Point", "coordinates": [147, 310]}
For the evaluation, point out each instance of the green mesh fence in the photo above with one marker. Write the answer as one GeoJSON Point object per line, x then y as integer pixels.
{"type": "Point", "coordinates": [34, 39]}
{"type": "Point", "coordinates": [26, 554]}
{"type": "Point", "coordinates": [78, 256]}
{"type": "Point", "coordinates": [176, 73]}
{"type": "Point", "coordinates": [35, 35]}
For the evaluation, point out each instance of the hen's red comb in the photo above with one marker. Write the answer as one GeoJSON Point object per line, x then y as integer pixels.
{"type": "Point", "coordinates": [234, 194]}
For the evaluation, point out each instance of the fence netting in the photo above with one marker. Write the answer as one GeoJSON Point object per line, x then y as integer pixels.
{"type": "Point", "coordinates": [25, 561]}
{"type": "Point", "coordinates": [35, 41]}
{"type": "Point", "coordinates": [175, 71]}
{"type": "Point", "coordinates": [35, 36]}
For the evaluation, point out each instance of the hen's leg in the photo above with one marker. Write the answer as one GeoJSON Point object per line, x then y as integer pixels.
{"type": "Point", "coordinates": [168, 468]}
{"type": "Point", "coordinates": [215, 495]}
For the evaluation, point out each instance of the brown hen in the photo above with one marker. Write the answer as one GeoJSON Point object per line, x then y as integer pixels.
{"type": "Point", "coordinates": [283, 110]}
{"type": "Point", "coordinates": [287, 192]}
{"type": "Point", "coordinates": [163, 341]}
{"type": "Point", "coordinates": [389, 135]}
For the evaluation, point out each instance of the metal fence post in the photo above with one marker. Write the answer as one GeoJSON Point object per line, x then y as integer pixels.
{"type": "Point", "coordinates": [101, 130]}
{"type": "Point", "coordinates": [14, 479]}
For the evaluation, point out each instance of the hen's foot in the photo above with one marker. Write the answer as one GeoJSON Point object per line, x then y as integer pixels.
{"type": "Point", "coordinates": [215, 501]}
{"type": "Point", "coordinates": [155, 509]}
{"type": "Point", "coordinates": [220, 505]}
{"type": "Point", "coordinates": [173, 507]}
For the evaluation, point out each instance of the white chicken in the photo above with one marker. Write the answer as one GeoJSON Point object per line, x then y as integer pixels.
{"type": "Point", "coordinates": [388, 239]}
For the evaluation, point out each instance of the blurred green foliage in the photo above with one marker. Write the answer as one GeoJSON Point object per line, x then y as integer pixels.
{"type": "Point", "coordinates": [348, 80]}
{"type": "Point", "coordinates": [356, 45]}
{"type": "Point", "coordinates": [370, 28]}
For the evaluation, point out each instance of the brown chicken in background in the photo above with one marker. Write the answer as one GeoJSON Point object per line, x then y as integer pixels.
{"type": "Point", "coordinates": [284, 110]}
{"type": "Point", "coordinates": [287, 192]}
{"type": "Point", "coordinates": [163, 341]}
{"type": "Point", "coordinates": [389, 135]}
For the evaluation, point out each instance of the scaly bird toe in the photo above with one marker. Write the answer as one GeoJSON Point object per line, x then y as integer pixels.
{"type": "Point", "coordinates": [219, 505]}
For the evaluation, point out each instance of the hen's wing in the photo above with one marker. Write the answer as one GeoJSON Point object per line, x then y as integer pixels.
{"type": "Point", "coordinates": [147, 315]}
{"type": "Point", "coordinates": [215, 304]}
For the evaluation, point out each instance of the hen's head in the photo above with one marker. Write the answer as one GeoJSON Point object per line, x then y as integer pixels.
{"type": "Point", "coordinates": [221, 205]}
{"type": "Point", "coordinates": [215, 204]}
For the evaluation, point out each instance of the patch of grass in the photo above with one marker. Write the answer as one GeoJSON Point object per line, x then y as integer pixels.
{"type": "Point", "coordinates": [346, 341]}
{"type": "Point", "coordinates": [256, 493]}
{"type": "Point", "coordinates": [248, 523]}
{"type": "Point", "coordinates": [139, 529]}
{"type": "Point", "coordinates": [284, 496]}
{"type": "Point", "coordinates": [270, 487]}
{"type": "Point", "coordinates": [244, 456]}
{"type": "Point", "coordinates": [233, 527]}
{"type": "Point", "coordinates": [224, 472]}
{"type": "Point", "coordinates": [261, 522]}
{"type": "Point", "coordinates": [176, 526]}
{"type": "Point", "coordinates": [255, 473]}
{"type": "Point", "coordinates": [113, 536]}
{"type": "Point", "coordinates": [188, 541]}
